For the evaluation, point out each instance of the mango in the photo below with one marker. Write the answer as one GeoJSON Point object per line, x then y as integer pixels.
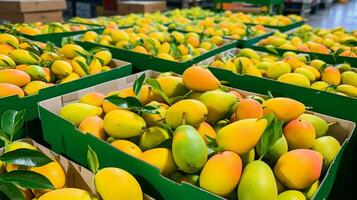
{"type": "Point", "coordinates": [69, 78]}
{"type": "Point", "coordinates": [279, 148]}
{"type": "Point", "coordinates": [343, 67]}
{"type": "Point", "coordinates": [291, 195]}
{"type": "Point", "coordinates": [92, 98]}
{"type": "Point", "coordinates": [34, 87]}
{"type": "Point", "coordinates": [6, 38]}
{"type": "Point", "coordinates": [320, 85]}
{"type": "Point", "coordinates": [76, 112]}
{"type": "Point", "coordinates": [306, 72]}
{"type": "Point", "coordinates": [104, 57]}
{"type": "Point", "coordinates": [127, 147]}
{"type": "Point", "coordinates": [151, 119]}
{"type": "Point", "coordinates": [241, 136]}
{"type": "Point", "coordinates": [320, 125]}
{"type": "Point", "coordinates": [331, 76]}
{"type": "Point", "coordinates": [188, 111]}
{"type": "Point", "coordinates": [218, 103]}
{"type": "Point", "coordinates": [347, 89]}
{"type": "Point", "coordinates": [36, 72]}
{"type": "Point", "coordinates": [153, 137]}
{"type": "Point", "coordinates": [310, 192]}
{"type": "Point", "coordinates": [95, 66]}
{"type": "Point", "coordinates": [294, 62]}
{"type": "Point", "coordinates": [14, 76]}
{"type": "Point", "coordinates": [21, 56]}
{"type": "Point", "coordinates": [206, 132]}
{"type": "Point", "coordinates": [317, 64]}
{"type": "Point", "coordinates": [146, 94]}
{"type": "Point", "coordinates": [61, 68]}
{"type": "Point", "coordinates": [314, 71]}
{"type": "Point", "coordinates": [249, 108]}
{"type": "Point", "coordinates": [199, 79]}
{"type": "Point", "coordinates": [161, 158]}
{"type": "Point", "coordinates": [300, 134]}
{"type": "Point", "coordinates": [299, 169]}
{"type": "Point", "coordinates": [172, 86]}
{"type": "Point", "coordinates": [93, 125]}
{"type": "Point", "coordinates": [349, 78]}
{"type": "Point", "coordinates": [54, 172]}
{"type": "Point", "coordinates": [67, 193]}
{"type": "Point", "coordinates": [69, 50]}
{"type": "Point", "coordinates": [221, 173]}
{"type": "Point", "coordinates": [8, 89]}
{"type": "Point", "coordinates": [284, 108]}
{"type": "Point", "coordinates": [80, 66]}
{"type": "Point", "coordinates": [248, 67]}
{"type": "Point", "coordinates": [114, 183]}
{"type": "Point", "coordinates": [123, 124]}
{"type": "Point", "coordinates": [328, 147]}
{"type": "Point", "coordinates": [257, 182]}
{"type": "Point", "coordinates": [278, 69]}
{"type": "Point", "coordinates": [295, 79]}
{"type": "Point", "coordinates": [6, 62]}
{"type": "Point", "coordinates": [189, 149]}
{"type": "Point", "coordinates": [249, 53]}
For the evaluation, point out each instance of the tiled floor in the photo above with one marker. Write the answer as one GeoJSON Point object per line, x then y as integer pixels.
{"type": "Point", "coordinates": [338, 14]}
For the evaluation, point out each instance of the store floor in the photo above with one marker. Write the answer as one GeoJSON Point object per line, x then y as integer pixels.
{"type": "Point", "coordinates": [338, 14]}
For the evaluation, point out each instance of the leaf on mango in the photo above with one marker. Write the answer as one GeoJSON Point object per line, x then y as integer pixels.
{"type": "Point", "coordinates": [138, 84]}
{"type": "Point", "coordinates": [26, 179]}
{"type": "Point", "coordinates": [26, 157]}
{"type": "Point", "coordinates": [11, 191]}
{"type": "Point", "coordinates": [155, 86]}
{"type": "Point", "coordinates": [92, 160]}
{"type": "Point", "coordinates": [127, 102]}
{"type": "Point", "coordinates": [12, 121]}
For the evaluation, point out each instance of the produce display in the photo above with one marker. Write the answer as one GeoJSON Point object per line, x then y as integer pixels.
{"type": "Point", "coordinates": [293, 69]}
{"type": "Point", "coordinates": [192, 13]}
{"type": "Point", "coordinates": [335, 41]}
{"type": "Point", "coordinates": [29, 170]}
{"type": "Point", "coordinates": [27, 67]}
{"type": "Point", "coordinates": [174, 46]}
{"type": "Point", "coordinates": [39, 28]}
{"type": "Point", "coordinates": [193, 129]}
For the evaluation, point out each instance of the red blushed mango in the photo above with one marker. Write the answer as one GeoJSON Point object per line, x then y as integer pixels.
{"type": "Point", "coordinates": [331, 75]}
{"type": "Point", "coordinates": [205, 130]}
{"type": "Point", "coordinates": [199, 79]}
{"type": "Point", "coordinates": [94, 126]}
{"type": "Point", "coordinates": [300, 134]}
{"type": "Point", "coordinates": [249, 108]}
{"type": "Point", "coordinates": [284, 108]}
{"type": "Point", "coordinates": [146, 94]}
{"type": "Point", "coordinates": [221, 173]}
{"type": "Point", "coordinates": [14, 76]}
{"type": "Point", "coordinates": [8, 89]}
{"type": "Point", "coordinates": [299, 169]}
{"type": "Point", "coordinates": [93, 98]}
{"type": "Point", "coordinates": [237, 94]}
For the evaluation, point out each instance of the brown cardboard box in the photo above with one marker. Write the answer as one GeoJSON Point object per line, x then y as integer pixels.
{"type": "Point", "coordinates": [33, 16]}
{"type": "Point", "coordinates": [24, 6]}
{"type": "Point", "coordinates": [127, 7]}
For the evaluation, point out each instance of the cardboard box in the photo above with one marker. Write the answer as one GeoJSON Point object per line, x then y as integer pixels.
{"type": "Point", "coordinates": [29, 17]}
{"type": "Point", "coordinates": [24, 6]}
{"type": "Point", "coordinates": [127, 7]}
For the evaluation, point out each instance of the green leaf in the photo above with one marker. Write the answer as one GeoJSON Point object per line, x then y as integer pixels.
{"type": "Point", "coordinates": [97, 49]}
{"type": "Point", "coordinates": [155, 85]}
{"type": "Point", "coordinates": [26, 157]}
{"type": "Point", "coordinates": [84, 66]}
{"type": "Point", "coordinates": [272, 50]}
{"type": "Point", "coordinates": [12, 121]}
{"type": "Point", "coordinates": [67, 40]}
{"type": "Point", "coordinates": [138, 84]}
{"type": "Point", "coordinates": [174, 50]}
{"type": "Point", "coordinates": [149, 110]}
{"type": "Point", "coordinates": [11, 191]}
{"type": "Point", "coordinates": [27, 179]}
{"type": "Point", "coordinates": [12, 44]}
{"type": "Point", "coordinates": [271, 134]}
{"type": "Point", "coordinates": [351, 42]}
{"type": "Point", "coordinates": [92, 160]}
{"type": "Point", "coordinates": [270, 95]}
{"type": "Point", "coordinates": [127, 102]}
{"type": "Point", "coordinates": [50, 47]}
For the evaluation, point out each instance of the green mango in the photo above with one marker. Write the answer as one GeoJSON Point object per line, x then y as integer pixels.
{"type": "Point", "coordinates": [320, 125]}
{"type": "Point", "coordinates": [36, 72]}
{"type": "Point", "coordinates": [328, 147]}
{"type": "Point", "coordinates": [172, 86]}
{"type": "Point", "coordinates": [349, 78]}
{"type": "Point", "coordinates": [278, 149]}
{"type": "Point", "coordinates": [291, 195]}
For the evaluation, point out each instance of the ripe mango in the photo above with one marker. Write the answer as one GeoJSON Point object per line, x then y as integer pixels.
{"type": "Point", "coordinates": [161, 158]}
{"type": "Point", "coordinates": [343, 67]}
{"type": "Point", "coordinates": [69, 78]}
{"type": "Point", "coordinates": [205, 130]}
{"type": "Point", "coordinates": [306, 72]}
{"type": "Point", "coordinates": [114, 183]}
{"type": "Point", "coordinates": [67, 193]}
{"type": "Point", "coordinates": [151, 119]}
{"type": "Point", "coordinates": [347, 89]}
{"type": "Point", "coordinates": [54, 172]}
{"type": "Point", "coordinates": [92, 98]}
{"type": "Point", "coordinates": [278, 69]}
{"type": "Point", "coordinates": [36, 72]}
{"type": "Point", "coordinates": [6, 62]}
{"type": "Point", "coordinates": [76, 112]}
{"type": "Point", "coordinates": [328, 147]}
{"type": "Point", "coordinates": [320, 85]}
{"type": "Point", "coordinates": [317, 64]}
{"type": "Point", "coordinates": [14, 76]}
{"type": "Point", "coordinates": [94, 126]}
{"type": "Point", "coordinates": [310, 192]}
{"type": "Point", "coordinates": [300, 134]}
{"type": "Point", "coordinates": [241, 136]}
{"type": "Point", "coordinates": [21, 56]}
{"type": "Point", "coordinates": [127, 147]}
{"type": "Point", "coordinates": [189, 149]}
{"type": "Point", "coordinates": [331, 75]}
{"type": "Point", "coordinates": [123, 124]}
{"type": "Point", "coordinates": [294, 62]}
{"type": "Point", "coordinates": [146, 94]}
{"type": "Point", "coordinates": [295, 79]}
{"type": "Point", "coordinates": [257, 182]}
{"type": "Point", "coordinates": [314, 71]}
{"type": "Point", "coordinates": [61, 68]}
{"type": "Point", "coordinates": [188, 111]}
{"type": "Point", "coordinates": [221, 173]}
{"type": "Point", "coordinates": [291, 195]}
{"type": "Point", "coordinates": [153, 137]}
{"type": "Point", "coordinates": [69, 50]}
{"type": "Point", "coordinates": [279, 148]}
{"type": "Point", "coordinates": [284, 108]}
{"type": "Point", "coordinates": [8, 89]}
{"type": "Point", "coordinates": [299, 169]}
{"type": "Point", "coordinates": [320, 125]}
{"type": "Point", "coordinates": [349, 78]}
{"type": "Point", "coordinates": [218, 103]}
{"type": "Point", "coordinates": [249, 108]}
{"type": "Point", "coordinates": [80, 66]}
{"type": "Point", "coordinates": [249, 53]}
{"type": "Point", "coordinates": [34, 87]}
{"type": "Point", "coordinates": [172, 86]}
{"type": "Point", "coordinates": [199, 79]}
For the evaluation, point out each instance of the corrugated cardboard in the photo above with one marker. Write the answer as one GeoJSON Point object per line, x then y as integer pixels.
{"type": "Point", "coordinates": [22, 6]}
{"type": "Point", "coordinates": [33, 16]}
{"type": "Point", "coordinates": [127, 7]}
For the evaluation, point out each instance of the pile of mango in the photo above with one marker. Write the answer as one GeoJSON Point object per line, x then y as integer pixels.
{"type": "Point", "coordinates": [192, 13]}
{"type": "Point", "coordinates": [152, 40]}
{"type": "Point", "coordinates": [229, 29]}
{"type": "Point", "coordinates": [193, 129]}
{"type": "Point", "coordinates": [270, 20]}
{"type": "Point", "coordinates": [38, 28]}
{"type": "Point", "coordinates": [27, 67]}
{"type": "Point", "coordinates": [293, 69]}
{"type": "Point", "coordinates": [317, 40]}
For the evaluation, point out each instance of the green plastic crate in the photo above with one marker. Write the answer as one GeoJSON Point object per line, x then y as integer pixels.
{"type": "Point", "coordinates": [62, 141]}
{"type": "Point", "coordinates": [144, 62]}
{"type": "Point", "coordinates": [283, 28]}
